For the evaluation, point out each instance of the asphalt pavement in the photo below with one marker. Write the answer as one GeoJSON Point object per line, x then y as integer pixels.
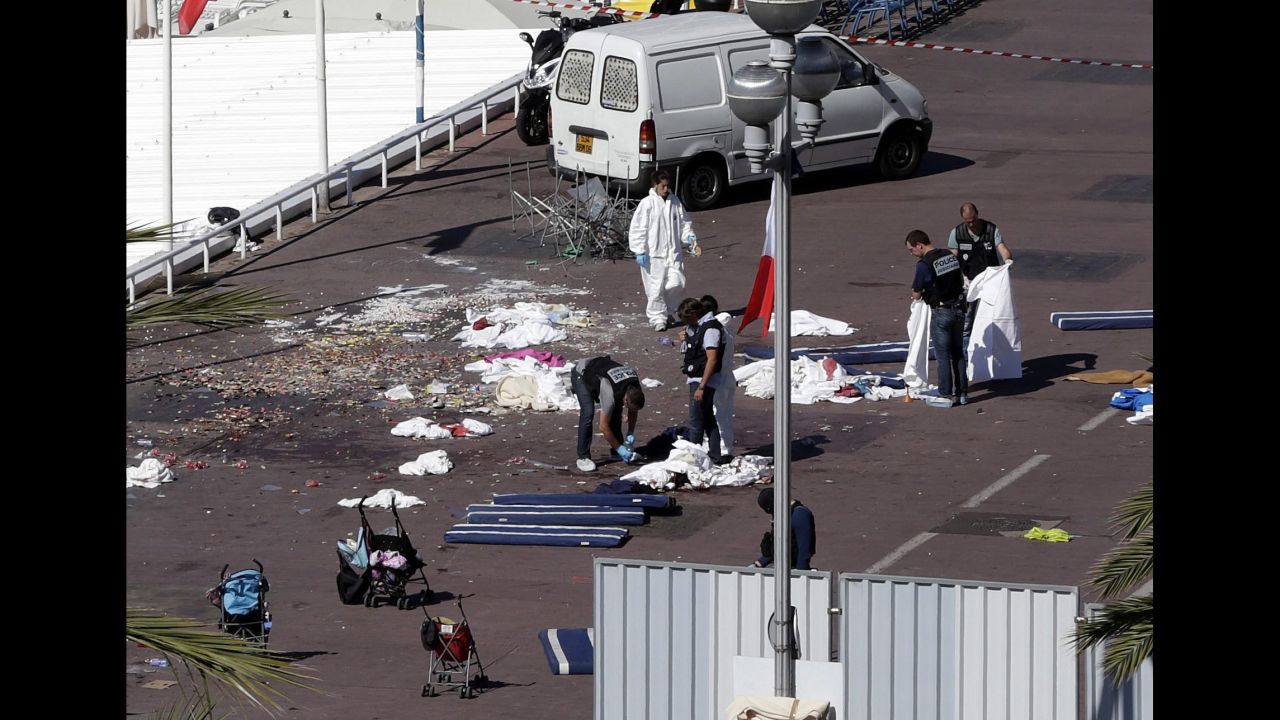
{"type": "Point", "coordinates": [1058, 155]}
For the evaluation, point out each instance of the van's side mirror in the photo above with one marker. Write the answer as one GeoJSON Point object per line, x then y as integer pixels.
{"type": "Point", "coordinates": [869, 74]}
{"type": "Point", "coordinates": [526, 37]}
{"type": "Point", "coordinates": [850, 73]}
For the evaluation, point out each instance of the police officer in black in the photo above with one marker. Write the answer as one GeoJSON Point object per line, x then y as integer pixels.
{"type": "Point", "coordinates": [703, 356]}
{"type": "Point", "coordinates": [978, 244]}
{"type": "Point", "coordinates": [614, 387]}
{"type": "Point", "coordinates": [939, 283]}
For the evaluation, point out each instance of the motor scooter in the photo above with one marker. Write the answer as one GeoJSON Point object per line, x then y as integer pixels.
{"type": "Point", "coordinates": [544, 61]}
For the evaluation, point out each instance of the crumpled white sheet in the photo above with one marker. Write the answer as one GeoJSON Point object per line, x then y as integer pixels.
{"type": "Point", "coordinates": [916, 370]}
{"type": "Point", "coordinates": [399, 392]}
{"type": "Point", "coordinates": [521, 326]}
{"type": "Point", "coordinates": [477, 428]}
{"type": "Point", "coordinates": [149, 474]}
{"type": "Point", "coordinates": [804, 322]}
{"type": "Point", "coordinates": [811, 381]}
{"type": "Point", "coordinates": [420, 427]}
{"type": "Point", "coordinates": [692, 461]}
{"type": "Point", "coordinates": [382, 499]}
{"type": "Point", "coordinates": [544, 392]}
{"type": "Point", "coordinates": [436, 462]}
{"type": "Point", "coordinates": [651, 382]}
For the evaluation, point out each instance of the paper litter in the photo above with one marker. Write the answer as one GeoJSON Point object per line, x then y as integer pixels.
{"type": "Point", "coordinates": [399, 392]}
{"type": "Point", "coordinates": [382, 499]}
{"type": "Point", "coordinates": [435, 462]}
{"type": "Point", "coordinates": [651, 383]}
{"type": "Point", "coordinates": [149, 474]}
{"type": "Point", "coordinates": [804, 322]}
{"type": "Point", "coordinates": [438, 388]}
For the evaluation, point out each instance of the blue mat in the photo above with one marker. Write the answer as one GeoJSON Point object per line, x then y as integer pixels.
{"type": "Point", "coordinates": [569, 650]}
{"type": "Point", "coordinates": [883, 352]}
{"type": "Point", "coordinates": [648, 501]}
{"type": "Point", "coordinates": [1103, 320]}
{"type": "Point", "coordinates": [555, 514]}
{"type": "Point", "coordinates": [559, 535]}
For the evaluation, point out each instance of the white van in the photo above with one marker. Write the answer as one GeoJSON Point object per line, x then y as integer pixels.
{"type": "Point", "coordinates": [646, 94]}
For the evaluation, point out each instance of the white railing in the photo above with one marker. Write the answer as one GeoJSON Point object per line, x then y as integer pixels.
{"type": "Point", "coordinates": [344, 170]}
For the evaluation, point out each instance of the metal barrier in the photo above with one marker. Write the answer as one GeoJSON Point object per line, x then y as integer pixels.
{"type": "Point", "coordinates": [345, 173]}
{"type": "Point", "coordinates": [666, 633]}
{"type": "Point", "coordinates": [926, 648]}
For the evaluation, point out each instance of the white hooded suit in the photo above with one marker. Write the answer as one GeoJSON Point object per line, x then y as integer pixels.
{"type": "Point", "coordinates": [657, 228]}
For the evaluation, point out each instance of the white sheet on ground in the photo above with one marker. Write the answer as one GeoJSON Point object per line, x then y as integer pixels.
{"type": "Point", "coordinates": [804, 322]}
{"type": "Point", "coordinates": [420, 427]}
{"type": "Point", "coordinates": [811, 381]}
{"type": "Point", "coordinates": [477, 428]}
{"type": "Point", "coordinates": [692, 461]}
{"type": "Point", "coordinates": [382, 499]}
{"type": "Point", "coordinates": [916, 371]}
{"type": "Point", "coordinates": [149, 474]}
{"type": "Point", "coordinates": [520, 326]}
{"type": "Point", "coordinates": [995, 345]}
{"type": "Point", "coordinates": [435, 462]}
{"type": "Point", "coordinates": [399, 392]}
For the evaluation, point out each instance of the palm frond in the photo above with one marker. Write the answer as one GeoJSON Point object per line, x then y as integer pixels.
{"type": "Point", "coordinates": [209, 307]}
{"type": "Point", "coordinates": [1137, 513]}
{"type": "Point", "coordinates": [255, 673]}
{"type": "Point", "coordinates": [1127, 628]}
{"type": "Point", "coordinates": [144, 232]}
{"type": "Point", "coordinates": [1124, 566]}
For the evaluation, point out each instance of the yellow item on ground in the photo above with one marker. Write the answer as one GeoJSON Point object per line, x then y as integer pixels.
{"type": "Point", "coordinates": [1054, 535]}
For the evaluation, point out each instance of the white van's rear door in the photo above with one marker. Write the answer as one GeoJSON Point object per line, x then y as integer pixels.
{"type": "Point", "coordinates": [598, 110]}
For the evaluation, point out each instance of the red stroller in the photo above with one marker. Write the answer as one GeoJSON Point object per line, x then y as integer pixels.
{"type": "Point", "coordinates": [453, 651]}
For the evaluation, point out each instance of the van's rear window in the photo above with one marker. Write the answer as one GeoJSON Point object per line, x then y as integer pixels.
{"type": "Point", "coordinates": [574, 82]}
{"type": "Point", "coordinates": [618, 89]}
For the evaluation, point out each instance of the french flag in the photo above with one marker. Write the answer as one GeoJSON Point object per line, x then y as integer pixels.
{"type": "Point", "coordinates": [189, 14]}
{"type": "Point", "coordinates": [761, 303]}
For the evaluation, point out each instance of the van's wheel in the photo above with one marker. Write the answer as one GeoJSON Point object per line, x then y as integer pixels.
{"type": "Point", "coordinates": [899, 155]}
{"type": "Point", "coordinates": [703, 184]}
{"type": "Point", "coordinates": [531, 125]}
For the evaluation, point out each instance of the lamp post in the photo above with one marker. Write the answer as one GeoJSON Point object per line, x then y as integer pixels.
{"type": "Point", "coordinates": [760, 93]}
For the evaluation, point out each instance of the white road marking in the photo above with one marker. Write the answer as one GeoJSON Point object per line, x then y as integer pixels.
{"type": "Point", "coordinates": [903, 549]}
{"type": "Point", "coordinates": [1005, 481]}
{"type": "Point", "coordinates": [1098, 419]}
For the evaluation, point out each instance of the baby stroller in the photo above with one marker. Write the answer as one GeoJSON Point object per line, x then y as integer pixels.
{"type": "Point", "coordinates": [242, 599]}
{"type": "Point", "coordinates": [453, 650]}
{"type": "Point", "coordinates": [380, 566]}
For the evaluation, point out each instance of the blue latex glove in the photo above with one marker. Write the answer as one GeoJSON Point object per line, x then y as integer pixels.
{"type": "Point", "coordinates": [626, 453]}
{"type": "Point", "coordinates": [691, 239]}
{"type": "Point", "coordinates": [643, 261]}
{"type": "Point", "coordinates": [631, 440]}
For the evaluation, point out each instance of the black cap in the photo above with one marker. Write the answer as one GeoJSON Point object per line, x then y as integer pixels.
{"type": "Point", "coordinates": [766, 500]}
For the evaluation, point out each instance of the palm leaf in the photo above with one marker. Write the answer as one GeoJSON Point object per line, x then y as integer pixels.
{"type": "Point", "coordinates": [1127, 628]}
{"type": "Point", "coordinates": [208, 307]}
{"type": "Point", "coordinates": [229, 661]}
{"type": "Point", "coordinates": [1137, 513]}
{"type": "Point", "coordinates": [142, 232]}
{"type": "Point", "coordinates": [1124, 566]}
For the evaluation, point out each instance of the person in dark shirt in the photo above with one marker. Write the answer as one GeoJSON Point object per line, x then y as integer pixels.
{"type": "Point", "coordinates": [940, 283]}
{"type": "Point", "coordinates": [804, 534]}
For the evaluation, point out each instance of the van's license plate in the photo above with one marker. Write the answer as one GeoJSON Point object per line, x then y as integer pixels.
{"type": "Point", "coordinates": [584, 144]}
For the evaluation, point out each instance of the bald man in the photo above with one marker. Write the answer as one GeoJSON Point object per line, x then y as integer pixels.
{"type": "Point", "coordinates": [978, 244]}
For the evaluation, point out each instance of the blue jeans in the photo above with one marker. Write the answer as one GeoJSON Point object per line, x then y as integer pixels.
{"type": "Point", "coordinates": [702, 417]}
{"type": "Point", "coordinates": [948, 332]}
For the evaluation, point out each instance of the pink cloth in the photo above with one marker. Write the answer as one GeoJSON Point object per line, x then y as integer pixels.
{"type": "Point", "coordinates": [542, 356]}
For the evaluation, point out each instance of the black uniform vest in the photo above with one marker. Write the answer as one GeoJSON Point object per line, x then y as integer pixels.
{"type": "Point", "coordinates": [606, 369]}
{"type": "Point", "coordinates": [977, 254]}
{"type": "Point", "coordinates": [695, 356]}
{"type": "Point", "coordinates": [948, 285]}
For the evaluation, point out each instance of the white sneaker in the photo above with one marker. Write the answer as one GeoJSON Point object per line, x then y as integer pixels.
{"type": "Point", "coordinates": [586, 465]}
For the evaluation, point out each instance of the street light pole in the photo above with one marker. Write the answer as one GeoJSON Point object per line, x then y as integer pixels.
{"type": "Point", "coordinates": [758, 95]}
{"type": "Point", "coordinates": [322, 109]}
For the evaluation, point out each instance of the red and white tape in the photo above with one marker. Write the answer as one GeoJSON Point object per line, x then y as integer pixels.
{"type": "Point", "coordinates": [597, 8]}
{"type": "Point", "coordinates": [931, 46]}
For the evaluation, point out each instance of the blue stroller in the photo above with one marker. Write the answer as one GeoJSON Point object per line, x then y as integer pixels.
{"type": "Point", "coordinates": [242, 599]}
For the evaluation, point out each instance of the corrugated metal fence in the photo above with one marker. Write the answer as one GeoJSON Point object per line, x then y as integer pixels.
{"type": "Point", "coordinates": [926, 648]}
{"type": "Point", "coordinates": [666, 635]}
{"type": "Point", "coordinates": [668, 632]}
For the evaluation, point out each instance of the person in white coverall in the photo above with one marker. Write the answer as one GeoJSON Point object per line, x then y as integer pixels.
{"type": "Point", "coordinates": [659, 229]}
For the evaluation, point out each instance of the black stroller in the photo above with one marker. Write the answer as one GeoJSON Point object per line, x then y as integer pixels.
{"type": "Point", "coordinates": [380, 566]}
{"type": "Point", "coordinates": [453, 650]}
{"type": "Point", "coordinates": [242, 599]}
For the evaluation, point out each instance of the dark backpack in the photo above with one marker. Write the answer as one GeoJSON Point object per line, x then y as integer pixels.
{"type": "Point", "coordinates": [351, 586]}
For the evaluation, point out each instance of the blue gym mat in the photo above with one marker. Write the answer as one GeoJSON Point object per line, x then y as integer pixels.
{"type": "Point", "coordinates": [636, 500]}
{"type": "Point", "coordinates": [559, 535]}
{"type": "Point", "coordinates": [556, 514]}
{"type": "Point", "coordinates": [883, 352]}
{"type": "Point", "coordinates": [1103, 320]}
{"type": "Point", "coordinates": [569, 650]}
